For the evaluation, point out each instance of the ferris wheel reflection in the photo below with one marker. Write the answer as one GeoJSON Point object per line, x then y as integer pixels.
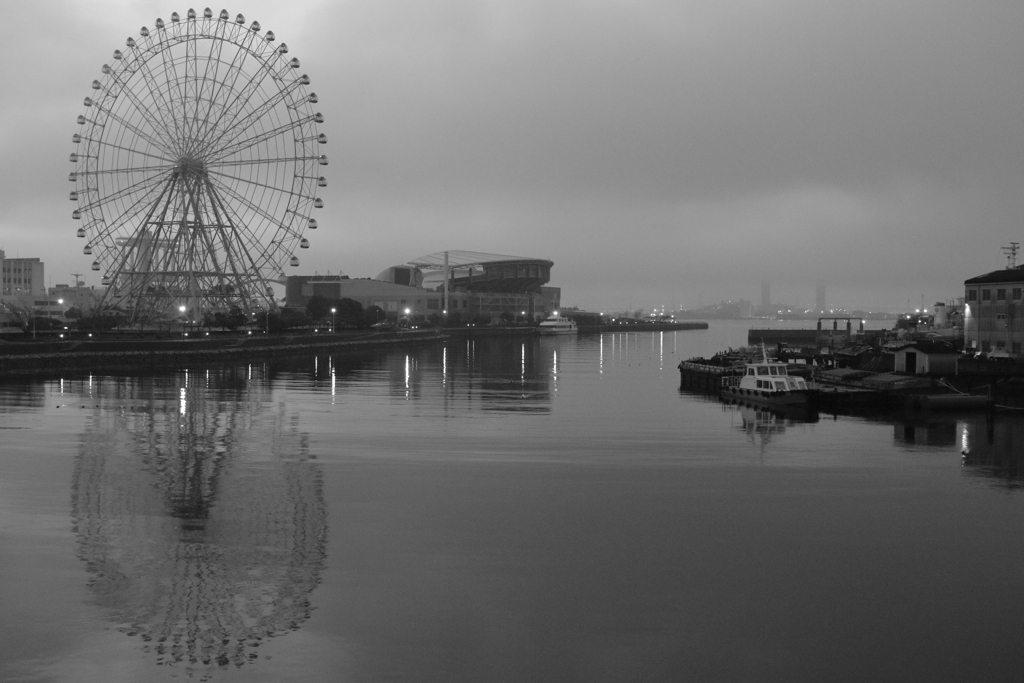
{"type": "Point", "coordinates": [199, 515]}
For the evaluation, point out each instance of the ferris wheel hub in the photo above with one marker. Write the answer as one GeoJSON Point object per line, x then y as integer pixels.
{"type": "Point", "coordinates": [190, 166]}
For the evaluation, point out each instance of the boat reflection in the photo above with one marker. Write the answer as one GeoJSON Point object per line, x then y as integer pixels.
{"type": "Point", "coordinates": [760, 423]}
{"type": "Point", "coordinates": [199, 513]}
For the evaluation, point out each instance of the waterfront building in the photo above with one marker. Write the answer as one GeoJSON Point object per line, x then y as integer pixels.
{"type": "Point", "coordinates": [478, 286]}
{"type": "Point", "coordinates": [992, 309]}
{"type": "Point", "coordinates": [926, 357]}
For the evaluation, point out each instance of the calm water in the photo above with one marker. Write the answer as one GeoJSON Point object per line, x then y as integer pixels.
{"type": "Point", "coordinates": [549, 509]}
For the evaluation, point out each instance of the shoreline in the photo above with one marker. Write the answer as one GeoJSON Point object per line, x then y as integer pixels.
{"type": "Point", "coordinates": [130, 352]}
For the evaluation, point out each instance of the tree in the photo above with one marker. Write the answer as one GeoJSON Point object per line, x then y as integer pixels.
{"type": "Point", "coordinates": [373, 315]}
{"type": "Point", "coordinates": [100, 321]}
{"type": "Point", "coordinates": [234, 318]}
{"type": "Point", "coordinates": [349, 312]}
{"type": "Point", "coordinates": [318, 308]}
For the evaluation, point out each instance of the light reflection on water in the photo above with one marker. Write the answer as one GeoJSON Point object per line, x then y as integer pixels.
{"type": "Point", "coordinates": [498, 509]}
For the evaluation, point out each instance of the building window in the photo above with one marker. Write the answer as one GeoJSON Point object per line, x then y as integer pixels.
{"type": "Point", "coordinates": [1000, 345]}
{"type": "Point", "coordinates": [986, 295]}
{"type": "Point", "coordinates": [986, 346]}
{"type": "Point", "coordinates": [1000, 295]}
{"type": "Point", "coordinates": [1000, 316]}
{"type": "Point", "coordinates": [1015, 346]}
{"type": "Point", "coordinates": [432, 304]}
{"type": "Point", "coordinates": [1016, 293]}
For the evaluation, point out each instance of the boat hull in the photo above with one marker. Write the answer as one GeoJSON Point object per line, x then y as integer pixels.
{"type": "Point", "coordinates": [549, 331]}
{"type": "Point", "coordinates": [796, 398]}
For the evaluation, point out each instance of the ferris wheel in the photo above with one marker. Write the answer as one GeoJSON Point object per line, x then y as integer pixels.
{"type": "Point", "coordinates": [197, 167]}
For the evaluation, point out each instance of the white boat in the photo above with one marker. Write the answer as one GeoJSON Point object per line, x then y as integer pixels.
{"type": "Point", "coordinates": [768, 383]}
{"type": "Point", "coordinates": [557, 324]}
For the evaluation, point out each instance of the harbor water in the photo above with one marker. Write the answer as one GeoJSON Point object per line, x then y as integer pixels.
{"type": "Point", "coordinates": [497, 509]}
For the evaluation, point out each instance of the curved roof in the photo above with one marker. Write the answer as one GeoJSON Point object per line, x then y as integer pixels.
{"type": "Point", "coordinates": [465, 259]}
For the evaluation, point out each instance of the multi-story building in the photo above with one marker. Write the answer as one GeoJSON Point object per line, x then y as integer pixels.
{"type": "Point", "coordinates": [479, 285]}
{"type": "Point", "coordinates": [992, 311]}
{"type": "Point", "coordinates": [79, 297]}
{"type": "Point", "coordinates": [22, 276]}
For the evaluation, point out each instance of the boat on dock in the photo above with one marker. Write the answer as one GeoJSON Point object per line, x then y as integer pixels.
{"type": "Point", "coordinates": [557, 324]}
{"type": "Point", "coordinates": [768, 383]}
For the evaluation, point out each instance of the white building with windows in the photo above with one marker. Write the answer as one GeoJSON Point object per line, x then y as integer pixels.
{"type": "Point", "coordinates": [992, 311]}
{"type": "Point", "coordinates": [21, 276]}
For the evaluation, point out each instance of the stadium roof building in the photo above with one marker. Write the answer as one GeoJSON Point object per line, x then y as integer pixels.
{"type": "Point", "coordinates": [472, 284]}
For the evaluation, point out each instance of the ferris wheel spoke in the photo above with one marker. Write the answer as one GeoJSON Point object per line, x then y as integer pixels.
{"type": "Point", "coordinates": [256, 114]}
{"type": "Point", "coordinates": [169, 67]}
{"type": "Point", "coordinates": [150, 80]}
{"type": "Point", "coordinates": [129, 150]}
{"type": "Point", "coordinates": [247, 143]}
{"type": "Point", "coordinates": [258, 162]}
{"type": "Point", "coordinates": [206, 86]}
{"type": "Point", "coordinates": [127, 169]}
{"type": "Point", "coordinates": [232, 124]}
{"type": "Point", "coordinates": [129, 125]}
{"type": "Point", "coordinates": [247, 181]}
{"type": "Point", "coordinates": [255, 208]}
{"type": "Point", "coordinates": [113, 229]}
{"type": "Point", "coordinates": [216, 132]}
{"type": "Point", "coordinates": [157, 124]}
{"type": "Point", "coordinates": [124, 192]}
{"type": "Point", "coordinates": [231, 245]}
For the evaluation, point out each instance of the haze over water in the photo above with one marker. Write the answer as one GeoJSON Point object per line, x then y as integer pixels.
{"type": "Point", "coordinates": [497, 510]}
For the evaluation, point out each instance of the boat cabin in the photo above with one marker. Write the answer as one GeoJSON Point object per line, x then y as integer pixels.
{"type": "Point", "coordinates": [770, 376]}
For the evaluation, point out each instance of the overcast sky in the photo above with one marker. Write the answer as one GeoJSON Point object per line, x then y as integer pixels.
{"type": "Point", "coordinates": [660, 153]}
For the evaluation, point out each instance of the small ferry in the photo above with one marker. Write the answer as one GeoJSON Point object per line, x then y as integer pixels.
{"type": "Point", "coordinates": [768, 383]}
{"type": "Point", "coordinates": [557, 324]}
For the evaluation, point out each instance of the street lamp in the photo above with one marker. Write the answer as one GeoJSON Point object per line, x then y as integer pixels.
{"type": "Point", "coordinates": [181, 309]}
{"type": "Point", "coordinates": [333, 311]}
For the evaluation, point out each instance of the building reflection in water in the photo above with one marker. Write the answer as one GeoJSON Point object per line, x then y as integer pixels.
{"type": "Point", "coordinates": [933, 432]}
{"type": "Point", "coordinates": [993, 446]}
{"type": "Point", "coordinates": [199, 513]}
{"type": "Point", "coordinates": [506, 375]}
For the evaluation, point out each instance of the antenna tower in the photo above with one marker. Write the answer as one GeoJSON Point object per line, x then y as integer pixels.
{"type": "Point", "coordinates": [1011, 254]}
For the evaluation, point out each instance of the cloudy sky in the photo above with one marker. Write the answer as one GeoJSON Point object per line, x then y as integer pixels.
{"type": "Point", "coordinates": [659, 152]}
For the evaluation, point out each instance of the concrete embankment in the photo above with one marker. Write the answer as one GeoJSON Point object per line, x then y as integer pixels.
{"type": "Point", "coordinates": [644, 327]}
{"type": "Point", "coordinates": [111, 354]}
{"type": "Point", "coordinates": [114, 352]}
